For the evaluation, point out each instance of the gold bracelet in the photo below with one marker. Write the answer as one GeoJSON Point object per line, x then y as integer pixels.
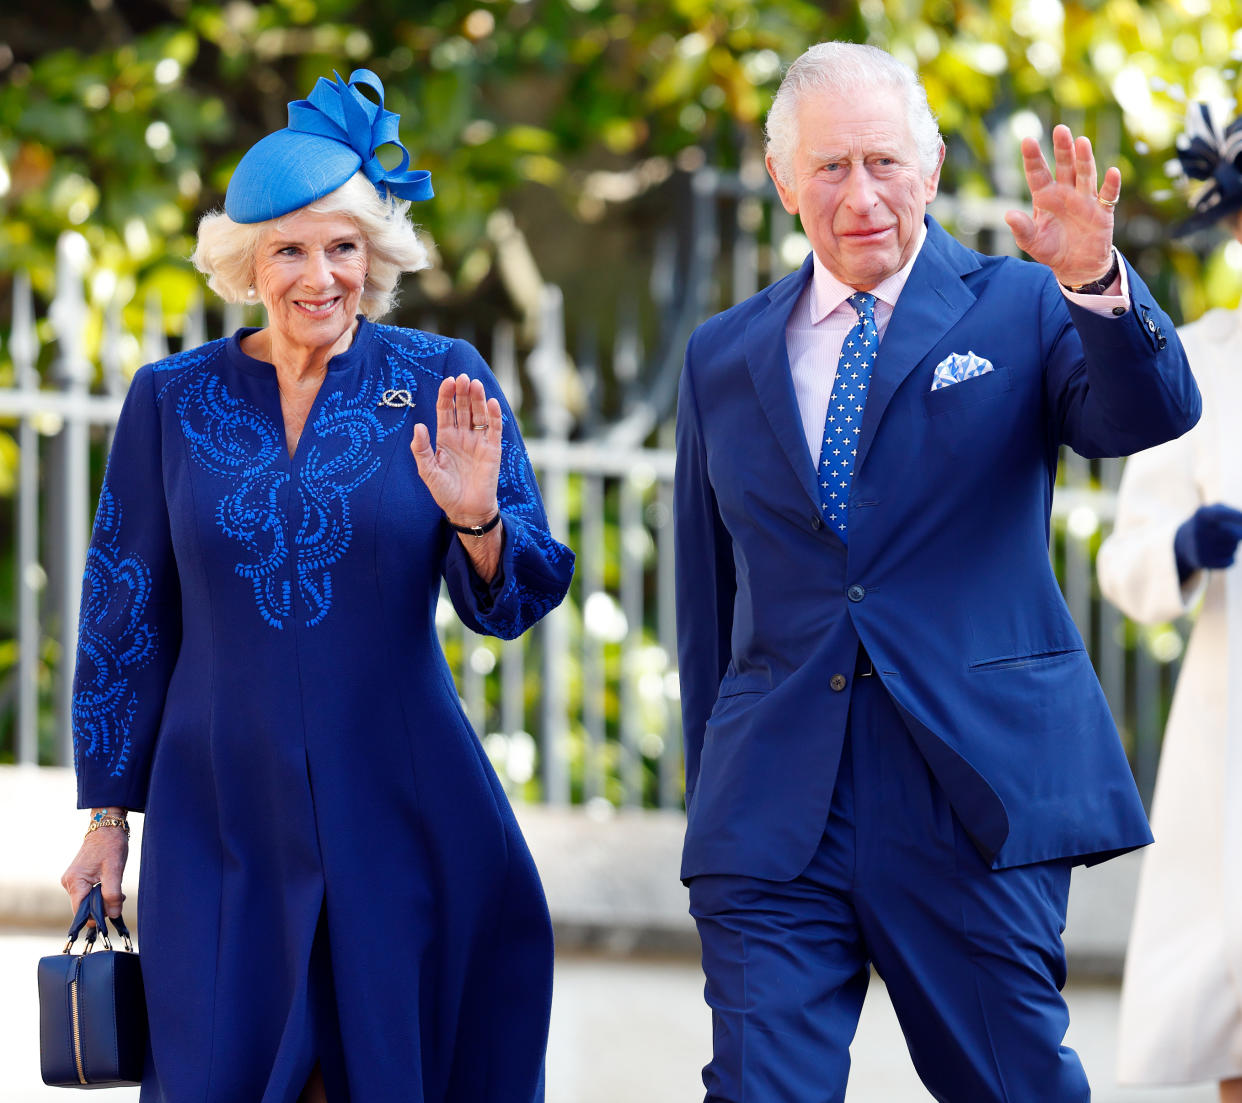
{"type": "Point", "coordinates": [107, 821]}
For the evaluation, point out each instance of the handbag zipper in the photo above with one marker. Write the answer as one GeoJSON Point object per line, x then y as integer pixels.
{"type": "Point", "coordinates": [77, 1026]}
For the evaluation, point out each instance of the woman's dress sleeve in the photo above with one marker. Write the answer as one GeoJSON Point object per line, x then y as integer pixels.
{"type": "Point", "coordinates": [535, 569]}
{"type": "Point", "coordinates": [129, 625]}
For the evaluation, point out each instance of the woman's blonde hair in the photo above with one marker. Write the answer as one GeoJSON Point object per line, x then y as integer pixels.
{"type": "Point", "coordinates": [226, 250]}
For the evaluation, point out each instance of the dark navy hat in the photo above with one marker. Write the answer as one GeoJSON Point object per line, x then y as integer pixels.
{"type": "Point", "coordinates": [332, 134]}
{"type": "Point", "coordinates": [1211, 152]}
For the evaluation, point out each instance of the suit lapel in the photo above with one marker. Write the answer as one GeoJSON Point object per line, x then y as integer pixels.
{"type": "Point", "coordinates": [931, 303]}
{"type": "Point", "coordinates": [767, 358]}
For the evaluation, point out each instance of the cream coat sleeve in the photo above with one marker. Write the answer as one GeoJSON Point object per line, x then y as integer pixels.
{"type": "Point", "coordinates": [1136, 566]}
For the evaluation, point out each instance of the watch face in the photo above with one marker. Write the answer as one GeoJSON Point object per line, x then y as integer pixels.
{"type": "Point", "coordinates": [478, 531]}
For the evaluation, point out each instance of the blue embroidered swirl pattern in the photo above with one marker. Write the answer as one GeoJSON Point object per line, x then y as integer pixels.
{"type": "Point", "coordinates": [293, 529]}
{"type": "Point", "coordinates": [114, 640]}
{"type": "Point", "coordinates": [240, 444]}
{"type": "Point", "coordinates": [536, 553]}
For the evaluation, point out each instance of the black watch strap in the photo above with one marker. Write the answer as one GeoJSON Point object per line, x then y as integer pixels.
{"type": "Point", "coordinates": [477, 531]}
{"type": "Point", "coordinates": [1098, 287]}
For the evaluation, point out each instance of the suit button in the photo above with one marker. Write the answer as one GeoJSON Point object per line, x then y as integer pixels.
{"type": "Point", "coordinates": [817, 523]}
{"type": "Point", "coordinates": [855, 593]}
{"type": "Point", "coordinates": [837, 681]}
{"type": "Point", "coordinates": [1151, 326]}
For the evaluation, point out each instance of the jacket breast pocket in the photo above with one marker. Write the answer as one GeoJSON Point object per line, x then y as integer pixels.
{"type": "Point", "coordinates": [969, 392]}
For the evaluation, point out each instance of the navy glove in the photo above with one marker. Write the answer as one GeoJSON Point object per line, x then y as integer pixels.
{"type": "Point", "coordinates": [1208, 538]}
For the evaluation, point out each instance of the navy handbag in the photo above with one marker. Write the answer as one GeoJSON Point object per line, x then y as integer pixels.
{"type": "Point", "coordinates": [92, 1011]}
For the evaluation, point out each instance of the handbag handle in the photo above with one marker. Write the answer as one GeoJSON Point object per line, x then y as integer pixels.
{"type": "Point", "coordinates": [92, 907]}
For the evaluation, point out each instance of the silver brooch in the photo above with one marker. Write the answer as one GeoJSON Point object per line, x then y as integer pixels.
{"type": "Point", "coordinates": [397, 397]}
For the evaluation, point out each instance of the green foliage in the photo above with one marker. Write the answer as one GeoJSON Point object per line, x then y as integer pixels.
{"type": "Point", "coordinates": [128, 130]}
{"type": "Point", "coordinates": [126, 122]}
{"type": "Point", "coordinates": [1120, 71]}
{"type": "Point", "coordinates": [123, 121]}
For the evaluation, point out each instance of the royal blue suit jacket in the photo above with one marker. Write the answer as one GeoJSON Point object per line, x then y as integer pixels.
{"type": "Point", "coordinates": [946, 578]}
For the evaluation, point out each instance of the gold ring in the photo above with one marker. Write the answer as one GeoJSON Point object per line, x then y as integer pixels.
{"type": "Point", "coordinates": [479, 425]}
{"type": "Point", "coordinates": [1109, 203]}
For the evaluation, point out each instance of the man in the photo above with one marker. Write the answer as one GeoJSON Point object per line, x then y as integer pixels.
{"type": "Point", "coordinates": [896, 746]}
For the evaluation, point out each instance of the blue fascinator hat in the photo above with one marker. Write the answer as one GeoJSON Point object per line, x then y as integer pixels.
{"type": "Point", "coordinates": [332, 134]}
{"type": "Point", "coordinates": [1210, 151]}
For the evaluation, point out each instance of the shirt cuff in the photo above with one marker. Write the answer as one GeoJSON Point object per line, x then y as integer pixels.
{"type": "Point", "coordinates": [1105, 305]}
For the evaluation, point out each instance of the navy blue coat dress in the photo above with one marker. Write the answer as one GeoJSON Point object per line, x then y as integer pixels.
{"type": "Point", "coordinates": [330, 868]}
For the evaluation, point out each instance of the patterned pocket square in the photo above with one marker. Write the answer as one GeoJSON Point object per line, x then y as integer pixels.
{"type": "Point", "coordinates": [955, 367]}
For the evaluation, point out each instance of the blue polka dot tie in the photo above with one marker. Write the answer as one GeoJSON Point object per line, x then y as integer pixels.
{"type": "Point", "coordinates": [843, 423]}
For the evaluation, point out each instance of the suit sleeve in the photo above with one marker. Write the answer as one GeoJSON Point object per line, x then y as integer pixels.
{"type": "Point", "coordinates": [535, 568]}
{"type": "Point", "coordinates": [129, 625]}
{"type": "Point", "coordinates": [1115, 385]}
{"type": "Point", "coordinates": [1136, 565]}
{"type": "Point", "coordinates": [704, 578]}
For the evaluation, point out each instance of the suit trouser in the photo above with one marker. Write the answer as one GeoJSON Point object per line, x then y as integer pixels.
{"type": "Point", "coordinates": [972, 957]}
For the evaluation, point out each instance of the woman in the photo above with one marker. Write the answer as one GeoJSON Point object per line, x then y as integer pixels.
{"type": "Point", "coordinates": [334, 890]}
{"type": "Point", "coordinates": [1178, 524]}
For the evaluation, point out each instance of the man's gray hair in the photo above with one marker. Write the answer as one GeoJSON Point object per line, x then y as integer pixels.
{"type": "Point", "coordinates": [847, 69]}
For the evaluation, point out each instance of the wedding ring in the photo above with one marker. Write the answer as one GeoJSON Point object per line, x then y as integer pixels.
{"type": "Point", "coordinates": [1109, 203]}
{"type": "Point", "coordinates": [479, 425]}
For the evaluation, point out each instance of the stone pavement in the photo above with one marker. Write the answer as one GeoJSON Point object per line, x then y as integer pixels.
{"type": "Point", "coordinates": [628, 1020]}
{"type": "Point", "coordinates": [625, 1029]}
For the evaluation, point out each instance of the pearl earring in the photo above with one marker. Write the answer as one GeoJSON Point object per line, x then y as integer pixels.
{"type": "Point", "coordinates": [250, 293]}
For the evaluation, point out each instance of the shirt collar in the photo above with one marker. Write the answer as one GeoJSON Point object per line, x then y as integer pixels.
{"type": "Point", "coordinates": [828, 292]}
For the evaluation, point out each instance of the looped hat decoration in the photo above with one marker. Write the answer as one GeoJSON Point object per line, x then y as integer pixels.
{"type": "Point", "coordinates": [332, 134]}
{"type": "Point", "coordinates": [1211, 152]}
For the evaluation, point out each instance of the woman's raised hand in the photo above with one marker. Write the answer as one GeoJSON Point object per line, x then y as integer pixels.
{"type": "Point", "coordinates": [462, 471]}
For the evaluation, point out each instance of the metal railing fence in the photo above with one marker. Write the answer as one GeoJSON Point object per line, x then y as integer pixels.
{"type": "Point", "coordinates": [584, 708]}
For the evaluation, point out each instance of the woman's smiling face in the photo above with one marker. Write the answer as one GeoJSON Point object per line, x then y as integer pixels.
{"type": "Point", "coordinates": [309, 272]}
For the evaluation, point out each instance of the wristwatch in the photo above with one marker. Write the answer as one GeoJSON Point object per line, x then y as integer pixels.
{"type": "Point", "coordinates": [477, 531]}
{"type": "Point", "coordinates": [1098, 287]}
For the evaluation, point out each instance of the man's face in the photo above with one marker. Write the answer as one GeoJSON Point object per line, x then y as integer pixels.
{"type": "Point", "coordinates": [857, 184]}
